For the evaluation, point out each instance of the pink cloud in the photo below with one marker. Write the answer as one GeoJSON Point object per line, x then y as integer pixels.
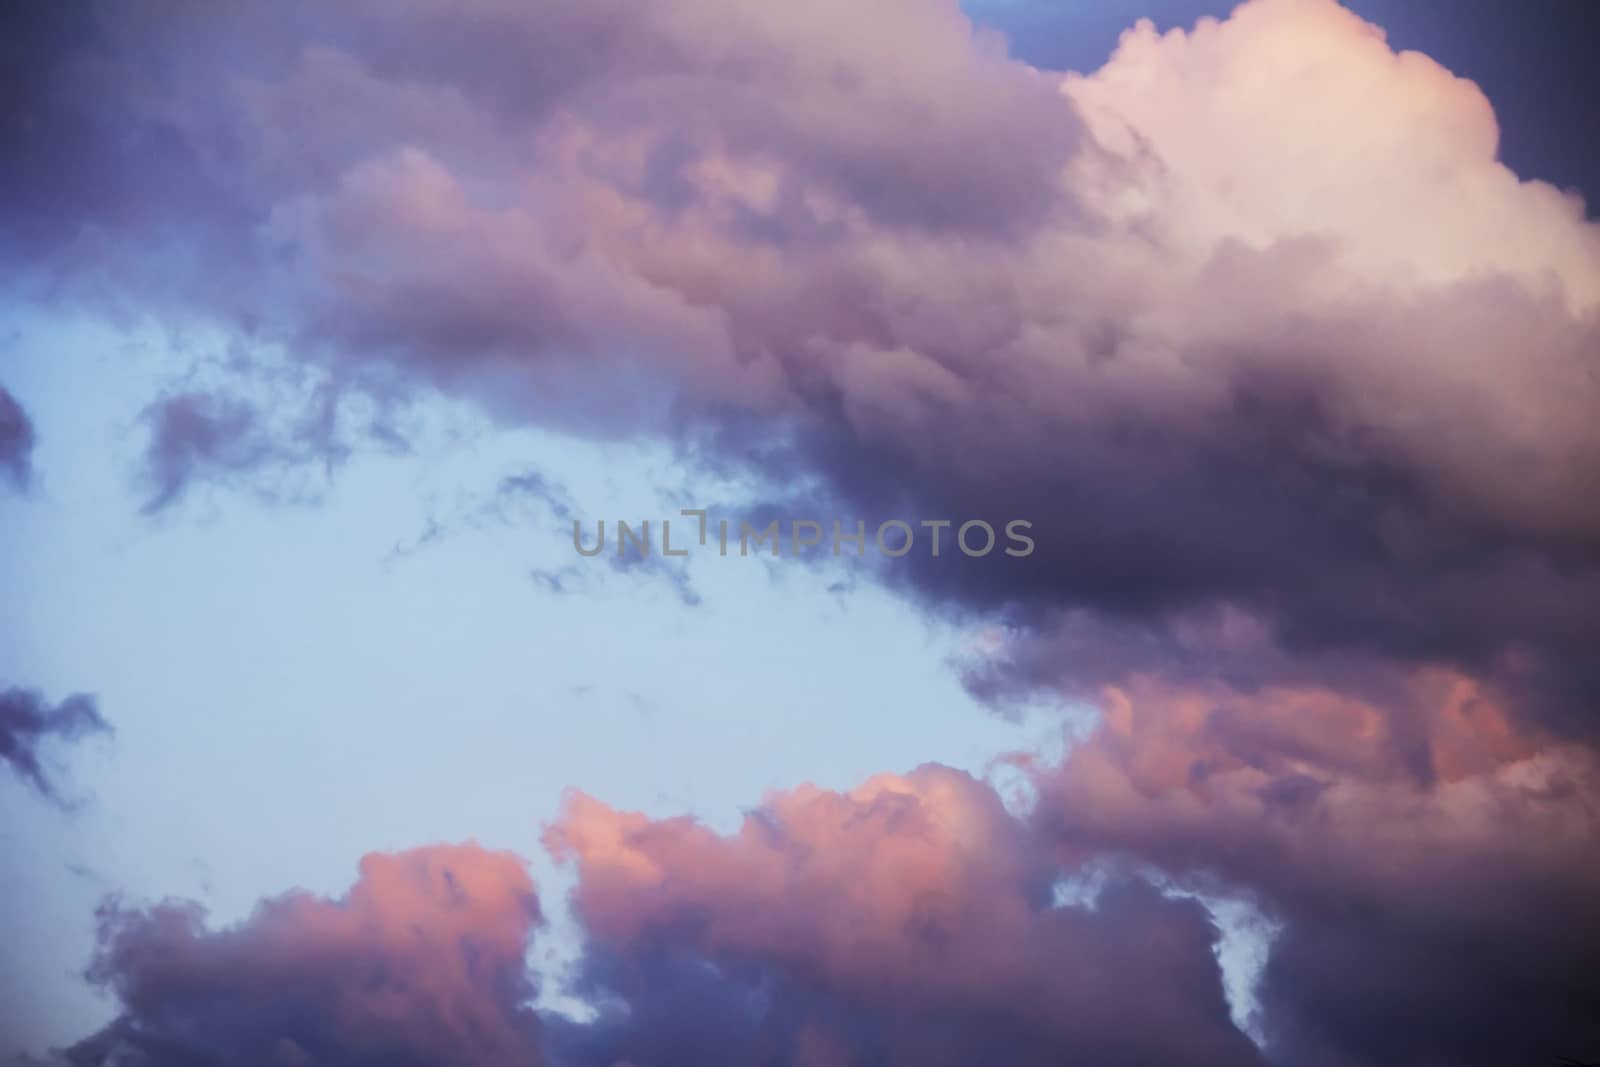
{"type": "Point", "coordinates": [422, 961]}
{"type": "Point", "coordinates": [907, 908]}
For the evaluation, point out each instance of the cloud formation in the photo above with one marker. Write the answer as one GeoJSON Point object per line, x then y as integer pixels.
{"type": "Point", "coordinates": [1295, 380]}
{"type": "Point", "coordinates": [16, 442]}
{"type": "Point", "coordinates": [200, 435]}
{"type": "Point", "coordinates": [1225, 330]}
{"type": "Point", "coordinates": [28, 723]}
{"type": "Point", "coordinates": [420, 963]}
{"type": "Point", "coordinates": [915, 919]}
{"type": "Point", "coordinates": [905, 921]}
{"type": "Point", "coordinates": [1422, 851]}
{"type": "Point", "coordinates": [1437, 919]}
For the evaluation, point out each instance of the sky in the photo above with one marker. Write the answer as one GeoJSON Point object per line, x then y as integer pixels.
{"type": "Point", "coordinates": [1277, 329]}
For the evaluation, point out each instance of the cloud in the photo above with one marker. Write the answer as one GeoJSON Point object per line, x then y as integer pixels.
{"type": "Point", "coordinates": [654, 567]}
{"type": "Point", "coordinates": [908, 920]}
{"type": "Point", "coordinates": [915, 919]}
{"type": "Point", "coordinates": [1227, 331]}
{"type": "Point", "coordinates": [27, 722]}
{"type": "Point", "coordinates": [196, 435]}
{"type": "Point", "coordinates": [1353, 713]}
{"type": "Point", "coordinates": [16, 441]}
{"type": "Point", "coordinates": [422, 962]}
{"type": "Point", "coordinates": [905, 921]}
{"type": "Point", "coordinates": [537, 488]}
{"type": "Point", "coordinates": [1412, 838]}
{"type": "Point", "coordinates": [1422, 917]}
{"type": "Point", "coordinates": [277, 429]}
{"type": "Point", "coordinates": [1295, 380]}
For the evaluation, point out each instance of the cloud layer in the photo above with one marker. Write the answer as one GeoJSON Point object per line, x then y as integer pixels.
{"type": "Point", "coordinates": [915, 920]}
{"type": "Point", "coordinates": [908, 921]}
{"type": "Point", "coordinates": [1295, 380]}
{"type": "Point", "coordinates": [1227, 329]}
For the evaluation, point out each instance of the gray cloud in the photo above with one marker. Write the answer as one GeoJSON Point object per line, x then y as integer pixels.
{"type": "Point", "coordinates": [16, 441]}
{"type": "Point", "coordinates": [200, 435]}
{"type": "Point", "coordinates": [872, 249]}
{"type": "Point", "coordinates": [28, 722]}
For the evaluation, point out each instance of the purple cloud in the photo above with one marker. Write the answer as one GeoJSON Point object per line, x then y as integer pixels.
{"type": "Point", "coordinates": [16, 441]}
{"type": "Point", "coordinates": [28, 722]}
{"type": "Point", "coordinates": [1218, 354]}
{"type": "Point", "coordinates": [906, 919]}
{"type": "Point", "coordinates": [1294, 379]}
{"type": "Point", "coordinates": [420, 963]}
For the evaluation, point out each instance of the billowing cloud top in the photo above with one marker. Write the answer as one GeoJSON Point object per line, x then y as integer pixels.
{"type": "Point", "coordinates": [1251, 316]}
{"type": "Point", "coordinates": [907, 921]}
{"type": "Point", "coordinates": [422, 962]}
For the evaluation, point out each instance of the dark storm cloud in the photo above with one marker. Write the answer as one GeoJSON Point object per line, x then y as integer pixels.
{"type": "Point", "coordinates": [28, 723]}
{"type": "Point", "coordinates": [16, 441]}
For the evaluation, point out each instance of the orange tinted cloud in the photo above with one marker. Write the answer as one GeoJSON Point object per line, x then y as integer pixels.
{"type": "Point", "coordinates": [908, 919]}
{"type": "Point", "coordinates": [421, 962]}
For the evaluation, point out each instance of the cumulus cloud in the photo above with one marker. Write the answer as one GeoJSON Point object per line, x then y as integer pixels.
{"type": "Point", "coordinates": [1413, 840]}
{"type": "Point", "coordinates": [422, 962]}
{"type": "Point", "coordinates": [1295, 380]}
{"type": "Point", "coordinates": [1251, 316]}
{"type": "Point", "coordinates": [1429, 904]}
{"type": "Point", "coordinates": [915, 919]}
{"type": "Point", "coordinates": [28, 723]}
{"type": "Point", "coordinates": [16, 441]}
{"type": "Point", "coordinates": [908, 920]}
